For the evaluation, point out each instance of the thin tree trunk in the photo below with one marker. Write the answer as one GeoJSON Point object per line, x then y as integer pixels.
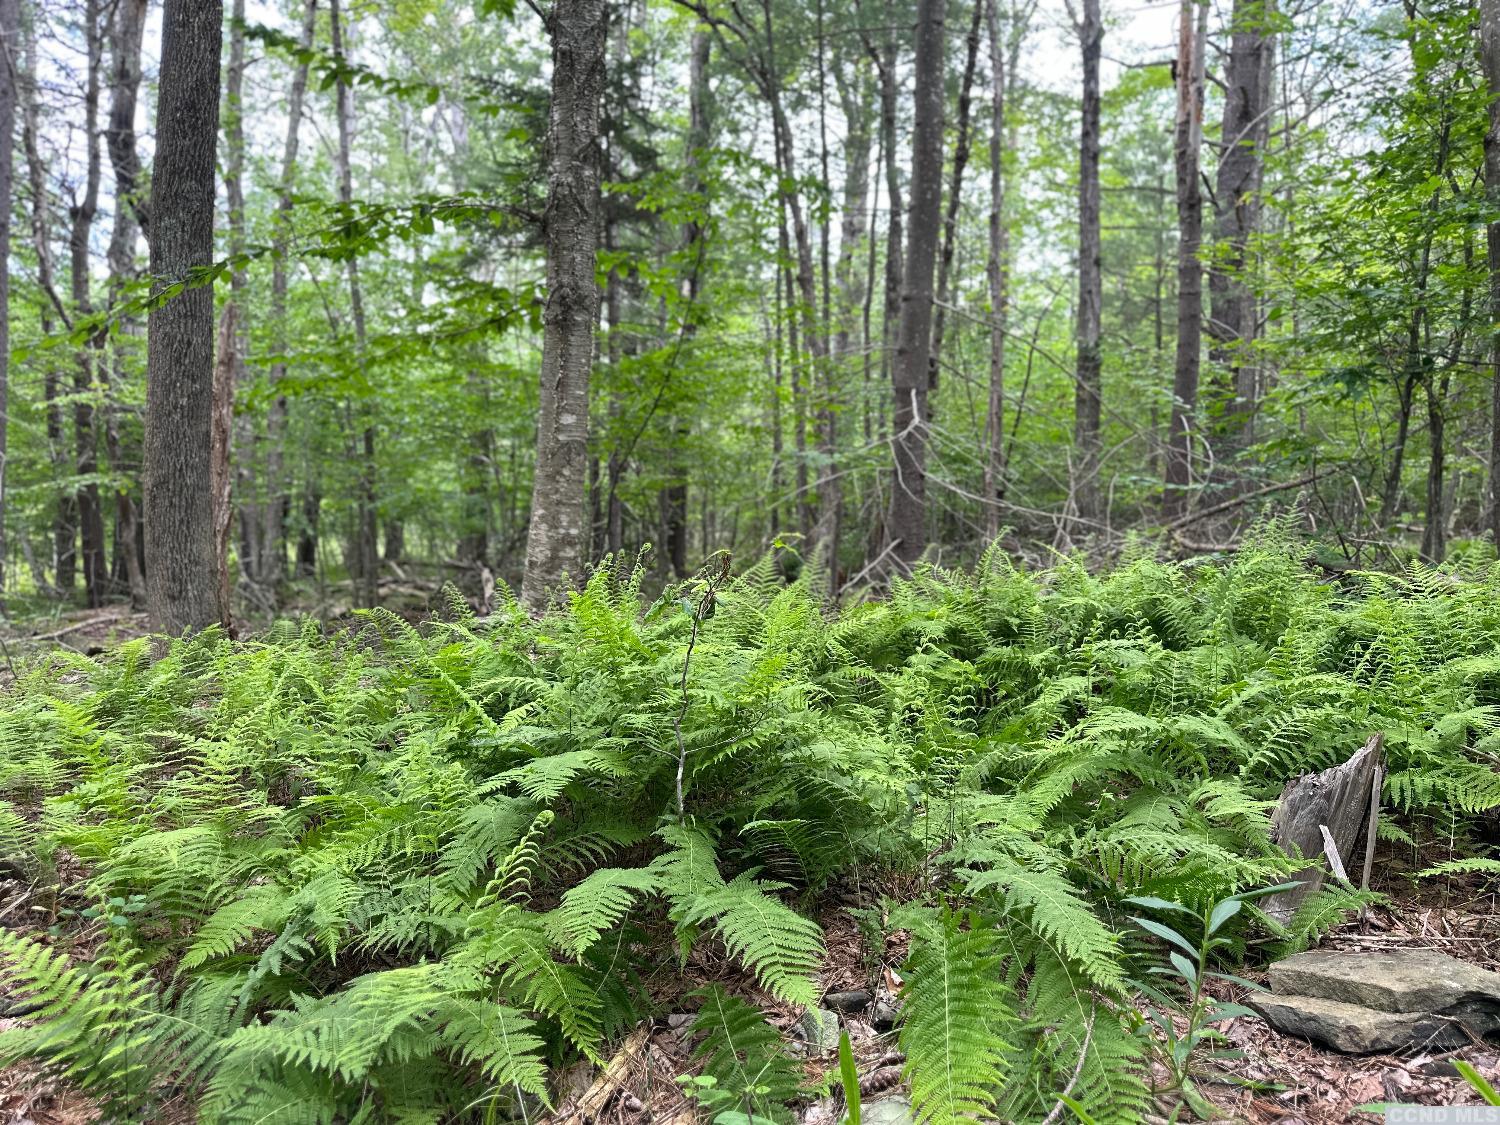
{"type": "Point", "coordinates": [181, 574]}
{"type": "Point", "coordinates": [277, 493]}
{"type": "Point", "coordinates": [366, 562]}
{"type": "Point", "coordinates": [10, 33]}
{"type": "Point", "coordinates": [558, 534]}
{"type": "Point", "coordinates": [64, 519]}
{"type": "Point", "coordinates": [907, 523]}
{"type": "Point", "coordinates": [996, 272]}
{"type": "Point", "coordinates": [961, 147]}
{"type": "Point", "coordinates": [245, 492]}
{"type": "Point", "coordinates": [1088, 391]}
{"type": "Point", "coordinates": [854, 92]}
{"type": "Point", "coordinates": [1192, 37]}
{"type": "Point", "coordinates": [1489, 55]}
{"type": "Point", "coordinates": [119, 141]}
{"type": "Point", "coordinates": [81, 214]}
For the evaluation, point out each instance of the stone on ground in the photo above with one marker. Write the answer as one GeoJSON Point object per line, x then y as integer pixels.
{"type": "Point", "coordinates": [1365, 1002]}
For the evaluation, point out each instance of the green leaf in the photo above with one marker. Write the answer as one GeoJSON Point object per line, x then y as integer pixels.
{"type": "Point", "coordinates": [1166, 933]}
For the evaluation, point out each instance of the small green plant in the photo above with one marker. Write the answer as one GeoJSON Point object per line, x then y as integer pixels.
{"type": "Point", "coordinates": [1185, 1014]}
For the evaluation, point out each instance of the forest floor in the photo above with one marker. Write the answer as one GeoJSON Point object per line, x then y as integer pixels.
{"type": "Point", "coordinates": [1280, 1080]}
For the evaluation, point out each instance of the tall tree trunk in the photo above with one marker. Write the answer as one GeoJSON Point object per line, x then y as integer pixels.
{"type": "Point", "coordinates": [277, 493]}
{"type": "Point", "coordinates": [996, 273]}
{"type": "Point", "coordinates": [1489, 55]}
{"type": "Point", "coordinates": [126, 33]}
{"type": "Point", "coordinates": [244, 490]}
{"type": "Point", "coordinates": [65, 517]}
{"type": "Point", "coordinates": [961, 147]}
{"type": "Point", "coordinates": [854, 96]}
{"type": "Point", "coordinates": [366, 562]}
{"type": "Point", "coordinates": [883, 56]}
{"type": "Point", "coordinates": [1245, 134]}
{"type": "Point", "coordinates": [829, 525]}
{"type": "Point", "coordinates": [10, 33]}
{"type": "Point", "coordinates": [906, 525]}
{"type": "Point", "coordinates": [1088, 389]}
{"type": "Point", "coordinates": [558, 535]}
{"type": "Point", "coordinates": [81, 214]}
{"type": "Point", "coordinates": [1192, 37]}
{"type": "Point", "coordinates": [181, 572]}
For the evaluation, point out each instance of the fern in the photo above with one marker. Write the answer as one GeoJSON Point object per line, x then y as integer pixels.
{"type": "Point", "coordinates": [957, 1018]}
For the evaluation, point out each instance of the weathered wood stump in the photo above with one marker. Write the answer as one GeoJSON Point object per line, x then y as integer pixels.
{"type": "Point", "coordinates": [1339, 802]}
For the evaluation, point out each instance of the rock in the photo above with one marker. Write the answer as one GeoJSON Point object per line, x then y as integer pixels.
{"type": "Point", "coordinates": [1403, 980]}
{"type": "Point", "coordinates": [1354, 1029]}
{"type": "Point", "coordinates": [677, 1020]}
{"type": "Point", "coordinates": [894, 1110]}
{"type": "Point", "coordinates": [849, 1003]}
{"type": "Point", "coordinates": [819, 1031]}
{"type": "Point", "coordinates": [885, 1011]}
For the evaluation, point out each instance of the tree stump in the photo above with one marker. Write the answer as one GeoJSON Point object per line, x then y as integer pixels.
{"type": "Point", "coordinates": [1337, 800]}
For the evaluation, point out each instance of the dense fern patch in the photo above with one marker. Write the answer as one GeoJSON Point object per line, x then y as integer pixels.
{"type": "Point", "coordinates": [398, 874]}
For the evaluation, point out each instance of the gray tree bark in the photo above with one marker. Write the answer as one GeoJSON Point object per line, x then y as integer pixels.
{"type": "Point", "coordinates": [1192, 37]}
{"type": "Point", "coordinates": [961, 148]}
{"type": "Point", "coordinates": [181, 575]}
{"type": "Point", "coordinates": [278, 497]}
{"type": "Point", "coordinates": [125, 37]}
{"type": "Point", "coordinates": [1489, 57]}
{"type": "Point", "coordinates": [1088, 388]}
{"type": "Point", "coordinates": [1245, 134]}
{"type": "Point", "coordinates": [557, 538]}
{"type": "Point", "coordinates": [906, 524]}
{"type": "Point", "coordinates": [996, 273]}
{"type": "Point", "coordinates": [10, 34]}
{"type": "Point", "coordinates": [80, 235]}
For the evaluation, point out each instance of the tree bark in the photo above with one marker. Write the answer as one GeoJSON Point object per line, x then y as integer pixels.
{"type": "Point", "coordinates": [1245, 134]}
{"type": "Point", "coordinates": [10, 33]}
{"type": "Point", "coordinates": [244, 487]}
{"type": "Point", "coordinates": [181, 580]}
{"type": "Point", "coordinates": [906, 525]}
{"type": "Point", "coordinates": [365, 565]}
{"type": "Point", "coordinates": [996, 273]}
{"type": "Point", "coordinates": [961, 148]}
{"type": "Point", "coordinates": [278, 498]}
{"type": "Point", "coordinates": [1489, 55]}
{"type": "Point", "coordinates": [65, 517]}
{"type": "Point", "coordinates": [1192, 39]}
{"type": "Point", "coordinates": [81, 215]}
{"type": "Point", "coordinates": [1088, 389]}
{"type": "Point", "coordinates": [558, 534]}
{"type": "Point", "coordinates": [119, 141]}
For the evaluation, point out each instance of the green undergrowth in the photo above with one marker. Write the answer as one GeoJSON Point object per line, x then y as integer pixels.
{"type": "Point", "coordinates": [402, 874]}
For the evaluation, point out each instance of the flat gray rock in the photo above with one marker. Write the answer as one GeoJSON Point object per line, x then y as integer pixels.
{"type": "Point", "coordinates": [1401, 980]}
{"type": "Point", "coordinates": [1353, 1029]}
{"type": "Point", "coordinates": [818, 1029]}
{"type": "Point", "coordinates": [894, 1110]}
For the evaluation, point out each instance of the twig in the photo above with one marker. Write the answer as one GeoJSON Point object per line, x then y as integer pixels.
{"type": "Point", "coordinates": [1067, 1092]}
{"type": "Point", "coordinates": [705, 606]}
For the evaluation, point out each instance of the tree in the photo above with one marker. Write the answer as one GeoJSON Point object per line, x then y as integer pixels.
{"type": "Point", "coordinates": [1192, 37]}
{"type": "Point", "coordinates": [1089, 385]}
{"type": "Point", "coordinates": [906, 524]}
{"type": "Point", "coordinates": [126, 31]}
{"type": "Point", "coordinates": [557, 539]}
{"type": "Point", "coordinates": [1489, 57]}
{"type": "Point", "coordinates": [10, 34]}
{"type": "Point", "coordinates": [181, 569]}
{"type": "Point", "coordinates": [1237, 190]}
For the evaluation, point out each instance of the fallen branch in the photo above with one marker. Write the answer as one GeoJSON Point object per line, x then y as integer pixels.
{"type": "Point", "coordinates": [79, 625]}
{"type": "Point", "coordinates": [1244, 498]}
